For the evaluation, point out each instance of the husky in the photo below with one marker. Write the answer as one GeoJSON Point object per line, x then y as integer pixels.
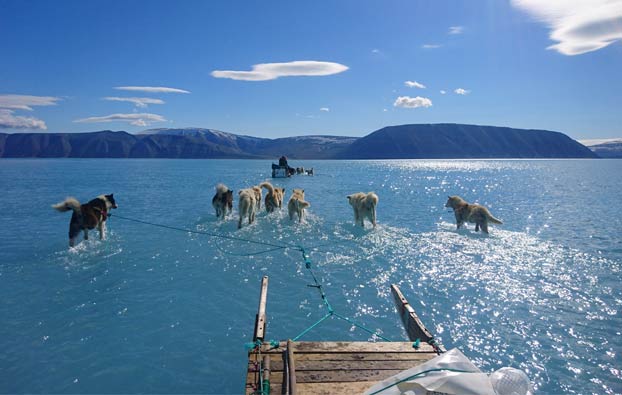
{"type": "Point", "coordinates": [257, 191]}
{"type": "Point", "coordinates": [222, 201]}
{"type": "Point", "coordinates": [473, 213]}
{"type": "Point", "coordinates": [247, 205]}
{"type": "Point", "coordinates": [87, 216]}
{"type": "Point", "coordinates": [274, 197]}
{"type": "Point", "coordinates": [364, 205]}
{"type": "Point", "coordinates": [297, 204]}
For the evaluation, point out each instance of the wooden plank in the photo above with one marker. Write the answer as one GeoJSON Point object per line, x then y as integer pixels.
{"type": "Point", "coordinates": [413, 325]}
{"type": "Point", "coordinates": [291, 368]}
{"type": "Point", "coordinates": [334, 388]}
{"type": "Point", "coordinates": [339, 376]}
{"type": "Point", "coordinates": [260, 319]}
{"type": "Point", "coordinates": [275, 388]}
{"type": "Point", "coordinates": [343, 346]}
{"type": "Point", "coordinates": [266, 372]}
{"type": "Point", "coordinates": [368, 356]}
{"type": "Point", "coordinates": [360, 347]}
{"type": "Point", "coordinates": [318, 365]}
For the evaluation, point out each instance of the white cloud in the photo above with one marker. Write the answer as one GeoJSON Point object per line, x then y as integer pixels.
{"type": "Point", "coordinates": [578, 26]}
{"type": "Point", "coordinates": [271, 71]}
{"type": "Point", "coordinates": [10, 121]}
{"type": "Point", "coordinates": [456, 30]}
{"type": "Point", "coordinates": [25, 102]}
{"type": "Point", "coordinates": [151, 89]}
{"type": "Point", "coordinates": [141, 102]}
{"type": "Point", "coordinates": [431, 46]}
{"type": "Point", "coordinates": [461, 91]}
{"type": "Point", "coordinates": [384, 110]}
{"type": "Point", "coordinates": [326, 109]}
{"type": "Point", "coordinates": [414, 84]}
{"type": "Point", "coordinates": [136, 119]}
{"type": "Point", "coordinates": [412, 102]}
{"type": "Point", "coordinates": [442, 91]}
{"type": "Point", "coordinates": [375, 50]}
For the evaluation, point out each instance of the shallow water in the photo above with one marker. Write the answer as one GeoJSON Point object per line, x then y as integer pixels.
{"type": "Point", "coordinates": [164, 311]}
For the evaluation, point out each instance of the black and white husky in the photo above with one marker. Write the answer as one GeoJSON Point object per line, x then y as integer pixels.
{"type": "Point", "coordinates": [222, 201]}
{"type": "Point", "coordinates": [87, 216]}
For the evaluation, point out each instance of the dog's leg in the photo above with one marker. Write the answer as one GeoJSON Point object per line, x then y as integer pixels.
{"type": "Point", "coordinates": [102, 230]}
{"type": "Point", "coordinates": [485, 227]}
{"type": "Point", "coordinates": [240, 222]}
{"type": "Point", "coordinates": [373, 216]}
{"type": "Point", "coordinates": [477, 227]}
{"type": "Point", "coordinates": [86, 234]}
{"type": "Point", "coordinates": [72, 241]}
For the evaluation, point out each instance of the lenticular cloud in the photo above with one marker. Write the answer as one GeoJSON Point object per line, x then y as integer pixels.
{"type": "Point", "coordinates": [271, 71]}
{"type": "Point", "coordinates": [578, 26]}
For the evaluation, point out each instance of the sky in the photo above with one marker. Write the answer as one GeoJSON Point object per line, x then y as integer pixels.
{"type": "Point", "coordinates": [288, 68]}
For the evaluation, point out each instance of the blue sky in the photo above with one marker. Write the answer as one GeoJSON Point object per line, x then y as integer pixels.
{"type": "Point", "coordinates": [333, 67]}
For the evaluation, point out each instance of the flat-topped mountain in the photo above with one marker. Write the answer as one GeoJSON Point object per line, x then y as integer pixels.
{"type": "Point", "coordinates": [393, 142]}
{"type": "Point", "coordinates": [445, 141]}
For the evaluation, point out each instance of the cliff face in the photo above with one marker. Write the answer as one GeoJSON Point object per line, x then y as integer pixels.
{"type": "Point", "coordinates": [463, 141]}
{"type": "Point", "coordinates": [394, 142]}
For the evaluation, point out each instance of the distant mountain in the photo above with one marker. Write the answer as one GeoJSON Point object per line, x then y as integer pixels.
{"type": "Point", "coordinates": [393, 142]}
{"type": "Point", "coordinates": [302, 147]}
{"type": "Point", "coordinates": [445, 141]}
{"type": "Point", "coordinates": [605, 148]}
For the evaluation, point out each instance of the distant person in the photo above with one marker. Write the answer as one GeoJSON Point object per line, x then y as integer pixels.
{"type": "Point", "coordinates": [283, 161]}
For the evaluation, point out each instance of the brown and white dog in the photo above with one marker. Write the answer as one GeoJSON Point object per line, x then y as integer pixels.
{"type": "Point", "coordinates": [87, 216]}
{"type": "Point", "coordinates": [274, 197]}
{"type": "Point", "coordinates": [222, 201]}
{"type": "Point", "coordinates": [473, 213]}
{"type": "Point", "coordinates": [257, 190]}
{"type": "Point", "coordinates": [247, 205]}
{"type": "Point", "coordinates": [297, 204]}
{"type": "Point", "coordinates": [364, 205]}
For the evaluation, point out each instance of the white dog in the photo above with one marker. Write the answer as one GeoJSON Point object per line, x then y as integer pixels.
{"type": "Point", "coordinates": [364, 205]}
{"type": "Point", "coordinates": [247, 205]}
{"type": "Point", "coordinates": [297, 204]}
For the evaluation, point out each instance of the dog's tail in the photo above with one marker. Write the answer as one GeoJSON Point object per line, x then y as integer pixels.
{"type": "Point", "coordinates": [493, 219]}
{"type": "Point", "coordinates": [268, 186]}
{"type": "Point", "coordinates": [68, 204]}
{"type": "Point", "coordinates": [302, 204]}
{"type": "Point", "coordinates": [221, 189]}
{"type": "Point", "coordinates": [371, 200]}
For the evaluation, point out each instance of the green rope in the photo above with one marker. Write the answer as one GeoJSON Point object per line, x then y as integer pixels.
{"type": "Point", "coordinates": [205, 233]}
{"type": "Point", "coordinates": [248, 254]}
{"type": "Point", "coordinates": [414, 376]}
{"type": "Point", "coordinates": [275, 247]}
{"type": "Point", "coordinates": [318, 322]}
{"type": "Point", "coordinates": [331, 311]}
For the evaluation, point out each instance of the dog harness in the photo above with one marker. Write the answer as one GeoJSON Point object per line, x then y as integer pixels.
{"type": "Point", "coordinates": [104, 213]}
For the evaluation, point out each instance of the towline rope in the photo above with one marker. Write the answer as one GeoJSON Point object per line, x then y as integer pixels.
{"type": "Point", "coordinates": [275, 247]}
{"type": "Point", "coordinates": [200, 232]}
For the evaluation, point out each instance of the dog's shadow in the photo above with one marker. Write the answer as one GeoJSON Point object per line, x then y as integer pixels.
{"type": "Point", "coordinates": [211, 223]}
{"type": "Point", "coordinates": [470, 233]}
